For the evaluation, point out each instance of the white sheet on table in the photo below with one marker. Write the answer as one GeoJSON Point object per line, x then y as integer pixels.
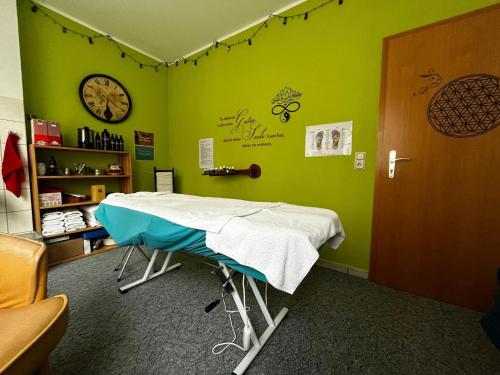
{"type": "Point", "coordinates": [280, 242]}
{"type": "Point", "coordinates": [203, 213]}
{"type": "Point", "coordinates": [277, 239]}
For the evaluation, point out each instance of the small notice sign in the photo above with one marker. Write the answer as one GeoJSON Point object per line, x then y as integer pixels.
{"type": "Point", "coordinates": [144, 145]}
{"type": "Point", "coordinates": [206, 156]}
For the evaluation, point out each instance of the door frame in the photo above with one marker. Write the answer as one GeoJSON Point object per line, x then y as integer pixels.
{"type": "Point", "coordinates": [382, 160]}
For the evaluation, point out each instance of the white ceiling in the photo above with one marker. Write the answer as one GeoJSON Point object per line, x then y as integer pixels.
{"type": "Point", "coordinates": [168, 29]}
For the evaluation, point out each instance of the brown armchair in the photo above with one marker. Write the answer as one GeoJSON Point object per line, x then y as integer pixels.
{"type": "Point", "coordinates": [31, 325]}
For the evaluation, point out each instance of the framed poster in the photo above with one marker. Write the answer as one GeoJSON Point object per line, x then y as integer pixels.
{"type": "Point", "coordinates": [329, 139]}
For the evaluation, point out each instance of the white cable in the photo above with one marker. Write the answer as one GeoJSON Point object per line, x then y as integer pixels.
{"type": "Point", "coordinates": [226, 345]}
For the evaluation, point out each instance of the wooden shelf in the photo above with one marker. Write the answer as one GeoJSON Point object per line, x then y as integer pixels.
{"type": "Point", "coordinates": [85, 203]}
{"type": "Point", "coordinates": [253, 172]}
{"type": "Point", "coordinates": [98, 251]}
{"type": "Point", "coordinates": [124, 182]}
{"type": "Point", "coordinates": [83, 176]}
{"type": "Point", "coordinates": [78, 149]}
{"type": "Point", "coordinates": [73, 232]}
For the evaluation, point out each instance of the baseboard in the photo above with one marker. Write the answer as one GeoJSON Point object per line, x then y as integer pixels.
{"type": "Point", "coordinates": [353, 271]}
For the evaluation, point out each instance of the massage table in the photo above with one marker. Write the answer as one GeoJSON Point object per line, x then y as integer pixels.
{"type": "Point", "coordinates": [272, 243]}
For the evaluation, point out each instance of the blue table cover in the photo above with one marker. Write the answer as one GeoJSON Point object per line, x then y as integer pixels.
{"type": "Point", "coordinates": [130, 227]}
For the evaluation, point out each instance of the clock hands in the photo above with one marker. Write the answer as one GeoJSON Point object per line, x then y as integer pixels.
{"type": "Point", "coordinates": [107, 113]}
{"type": "Point", "coordinates": [98, 91]}
{"type": "Point", "coordinates": [112, 102]}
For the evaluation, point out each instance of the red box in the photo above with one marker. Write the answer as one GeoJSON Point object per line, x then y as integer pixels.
{"type": "Point", "coordinates": [39, 131]}
{"type": "Point", "coordinates": [54, 134]}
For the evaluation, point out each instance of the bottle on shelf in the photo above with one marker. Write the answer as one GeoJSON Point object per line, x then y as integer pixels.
{"type": "Point", "coordinates": [84, 141]}
{"type": "Point", "coordinates": [91, 138]}
{"type": "Point", "coordinates": [113, 142]}
{"type": "Point", "coordinates": [97, 141]}
{"type": "Point", "coordinates": [52, 168]}
{"type": "Point", "coordinates": [122, 145]}
{"type": "Point", "coordinates": [105, 140]}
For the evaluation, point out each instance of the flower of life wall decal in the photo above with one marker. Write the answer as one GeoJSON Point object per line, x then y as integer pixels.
{"type": "Point", "coordinates": [466, 107]}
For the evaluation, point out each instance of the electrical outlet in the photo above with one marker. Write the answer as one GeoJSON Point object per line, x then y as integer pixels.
{"type": "Point", "coordinates": [359, 164]}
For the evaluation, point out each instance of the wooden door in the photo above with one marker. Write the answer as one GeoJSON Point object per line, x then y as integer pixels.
{"type": "Point", "coordinates": [436, 224]}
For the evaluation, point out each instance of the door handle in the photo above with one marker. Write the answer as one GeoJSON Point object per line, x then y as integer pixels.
{"type": "Point", "coordinates": [392, 162]}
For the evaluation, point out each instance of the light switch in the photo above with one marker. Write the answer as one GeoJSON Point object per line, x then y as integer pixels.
{"type": "Point", "coordinates": [360, 155]}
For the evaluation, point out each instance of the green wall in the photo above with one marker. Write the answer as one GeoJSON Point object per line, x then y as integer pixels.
{"type": "Point", "coordinates": [334, 60]}
{"type": "Point", "coordinates": [53, 65]}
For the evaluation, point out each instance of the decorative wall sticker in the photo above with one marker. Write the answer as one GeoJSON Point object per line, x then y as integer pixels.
{"type": "Point", "coordinates": [286, 102]}
{"type": "Point", "coordinates": [243, 128]}
{"type": "Point", "coordinates": [432, 78]}
{"type": "Point", "coordinates": [466, 107]}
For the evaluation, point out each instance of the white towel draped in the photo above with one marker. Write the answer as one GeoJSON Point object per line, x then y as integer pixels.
{"type": "Point", "coordinates": [277, 239]}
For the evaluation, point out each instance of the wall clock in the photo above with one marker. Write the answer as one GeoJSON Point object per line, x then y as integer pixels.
{"type": "Point", "coordinates": [105, 98]}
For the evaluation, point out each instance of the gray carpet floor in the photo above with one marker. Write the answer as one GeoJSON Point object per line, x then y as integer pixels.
{"type": "Point", "coordinates": [337, 324]}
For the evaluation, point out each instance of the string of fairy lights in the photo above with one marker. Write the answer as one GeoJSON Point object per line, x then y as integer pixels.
{"type": "Point", "coordinates": [248, 41]}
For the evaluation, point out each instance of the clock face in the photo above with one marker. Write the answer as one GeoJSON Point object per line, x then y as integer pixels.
{"type": "Point", "coordinates": [105, 98]}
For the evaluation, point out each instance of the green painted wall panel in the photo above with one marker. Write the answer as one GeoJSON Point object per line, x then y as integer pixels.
{"type": "Point", "coordinates": [334, 60]}
{"type": "Point", "coordinates": [53, 65]}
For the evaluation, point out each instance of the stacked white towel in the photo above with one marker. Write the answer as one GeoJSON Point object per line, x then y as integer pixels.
{"type": "Point", "coordinates": [53, 223]}
{"type": "Point", "coordinates": [73, 219]}
{"type": "Point", "coordinates": [88, 215]}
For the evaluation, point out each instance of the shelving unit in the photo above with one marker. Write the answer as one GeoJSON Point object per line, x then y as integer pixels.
{"type": "Point", "coordinates": [98, 251]}
{"type": "Point", "coordinates": [64, 205]}
{"type": "Point", "coordinates": [72, 232]}
{"type": "Point", "coordinates": [122, 182]}
{"type": "Point", "coordinates": [84, 176]}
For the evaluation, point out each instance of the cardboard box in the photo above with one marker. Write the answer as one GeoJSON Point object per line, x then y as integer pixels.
{"type": "Point", "coordinates": [97, 192]}
{"type": "Point", "coordinates": [39, 131]}
{"type": "Point", "coordinates": [65, 249]}
{"type": "Point", "coordinates": [50, 199]}
{"type": "Point", "coordinates": [54, 134]}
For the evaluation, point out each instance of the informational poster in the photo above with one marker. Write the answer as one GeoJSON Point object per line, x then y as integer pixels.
{"type": "Point", "coordinates": [206, 155]}
{"type": "Point", "coordinates": [329, 139]}
{"type": "Point", "coordinates": [144, 146]}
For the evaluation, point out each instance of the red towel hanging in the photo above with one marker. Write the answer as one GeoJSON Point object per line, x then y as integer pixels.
{"type": "Point", "coordinates": [12, 166]}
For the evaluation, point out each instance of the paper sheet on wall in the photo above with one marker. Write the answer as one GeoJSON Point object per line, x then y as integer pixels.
{"type": "Point", "coordinates": [206, 153]}
{"type": "Point", "coordinates": [329, 139]}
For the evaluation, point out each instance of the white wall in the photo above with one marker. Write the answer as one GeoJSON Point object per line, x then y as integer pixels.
{"type": "Point", "coordinates": [15, 213]}
{"type": "Point", "coordinates": [10, 59]}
